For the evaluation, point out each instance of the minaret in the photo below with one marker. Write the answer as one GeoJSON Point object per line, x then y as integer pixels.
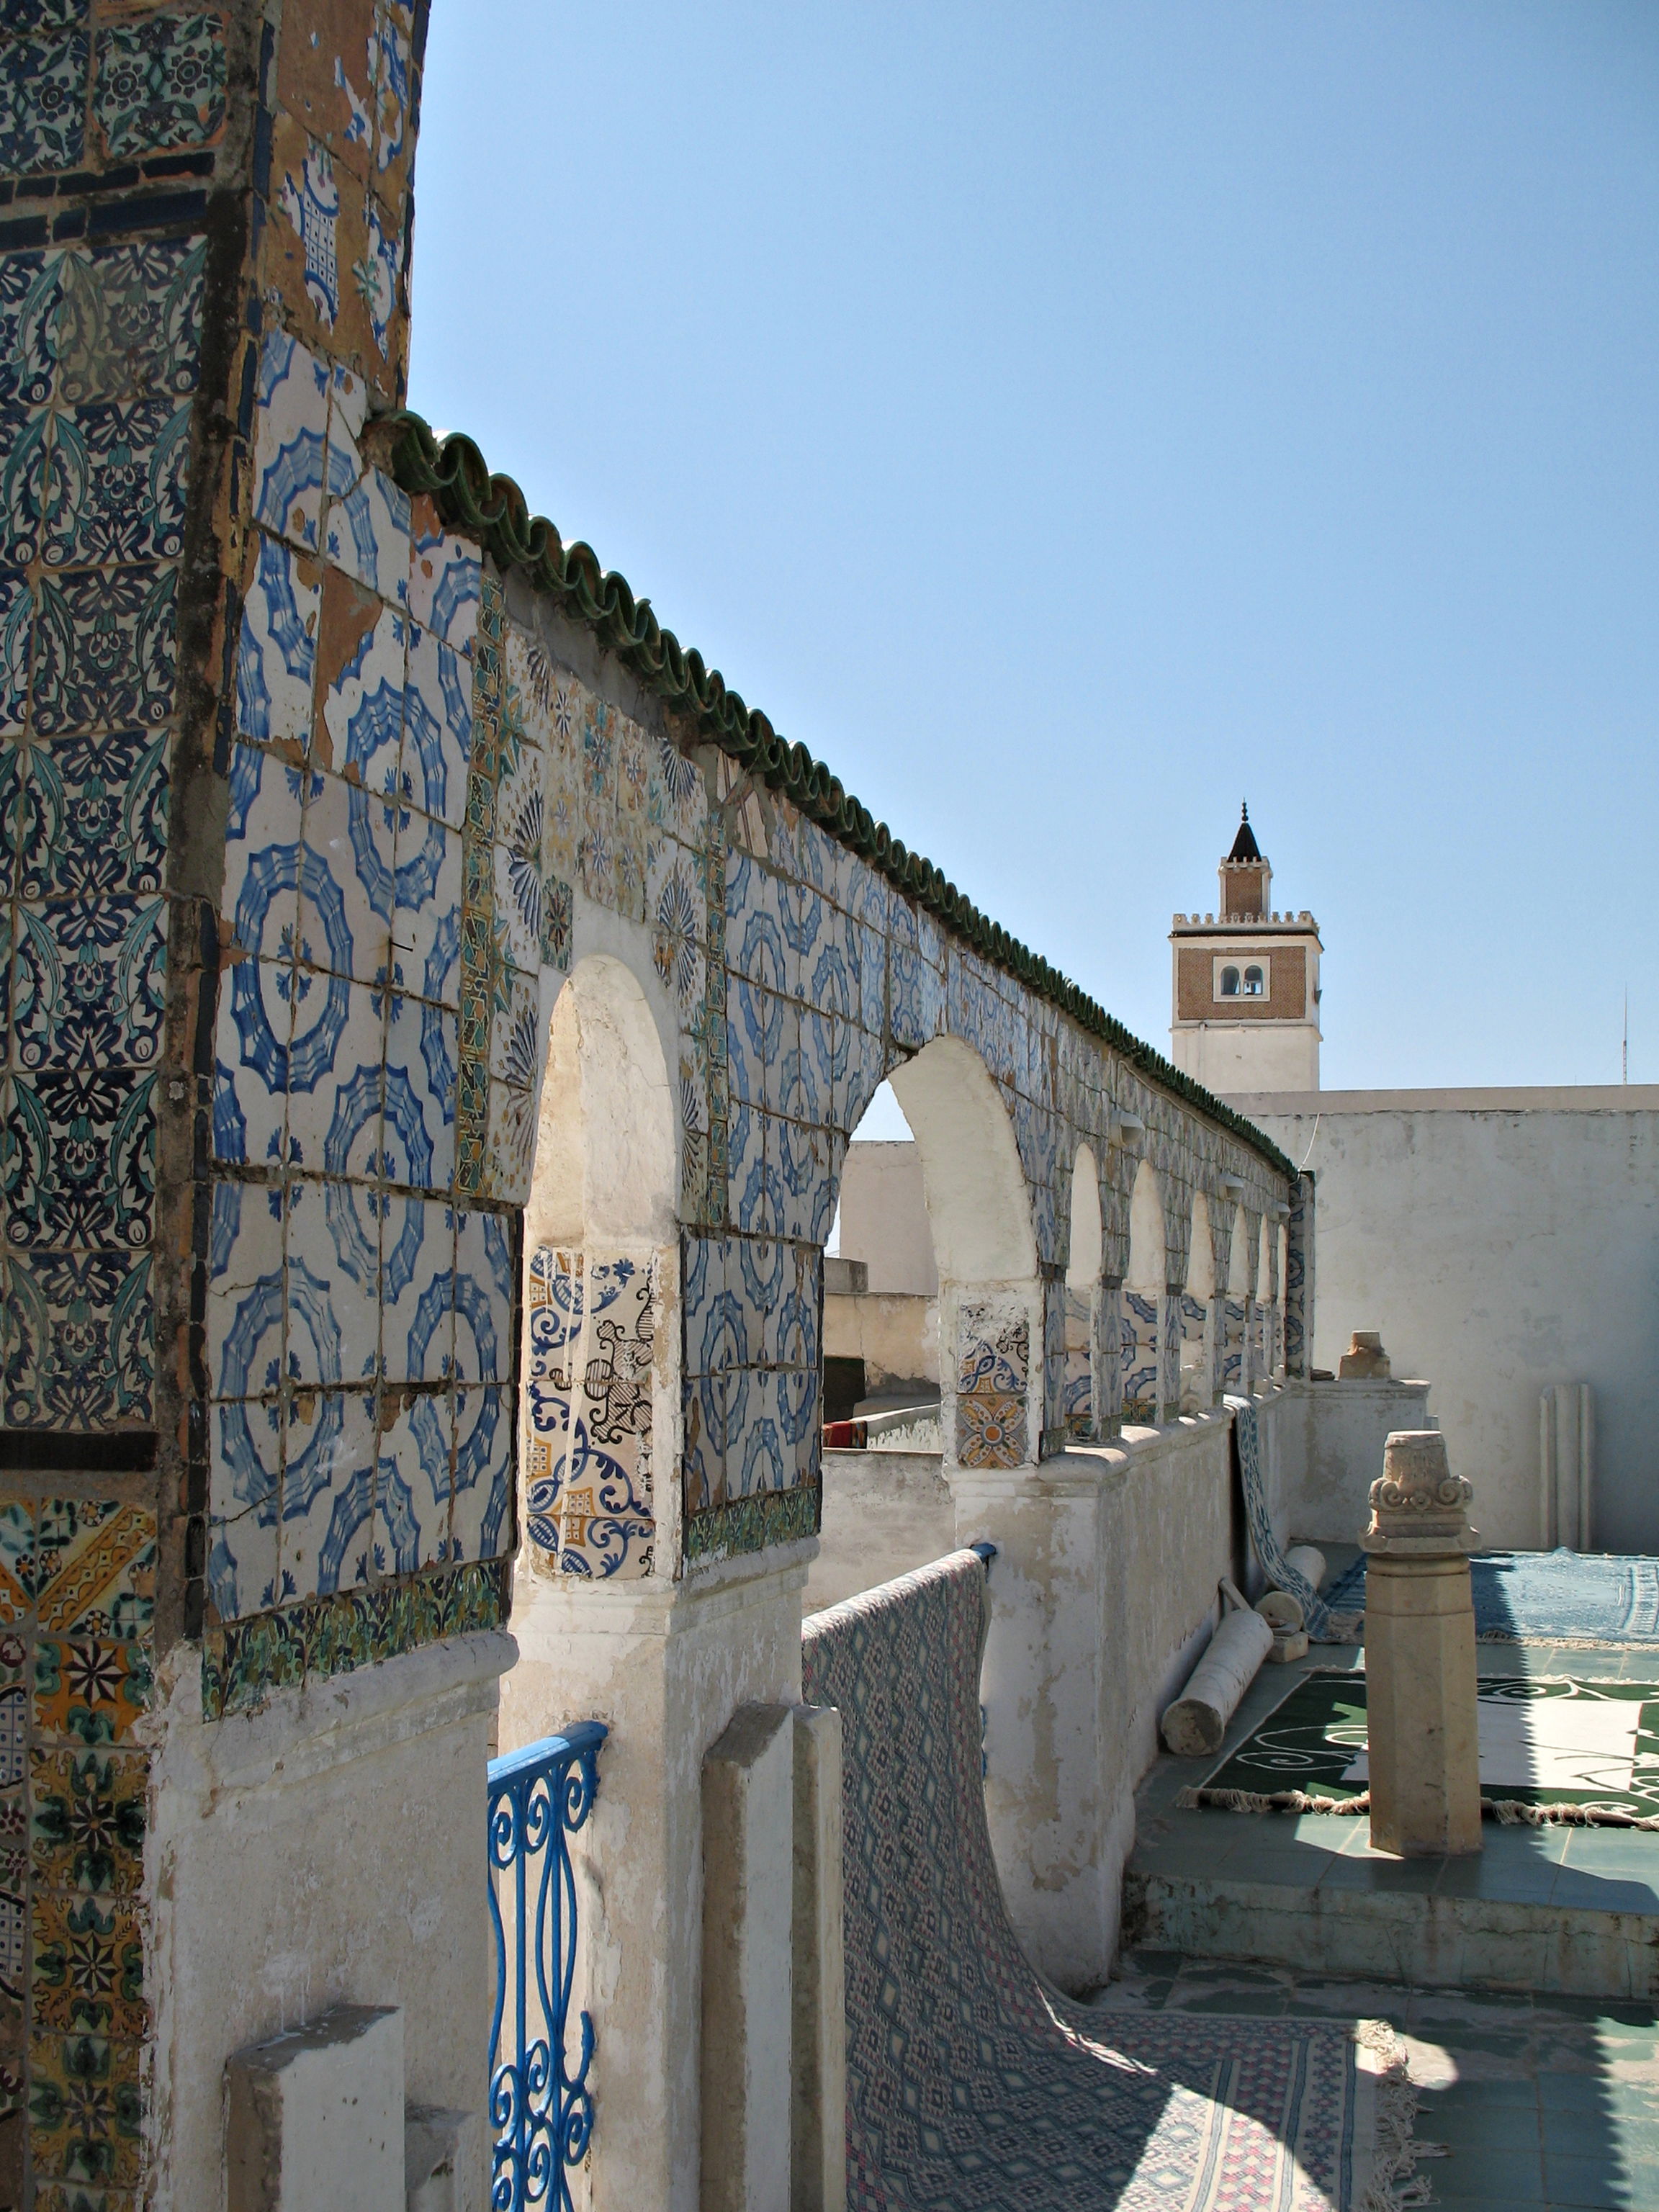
{"type": "Point", "coordinates": [1245, 1013]}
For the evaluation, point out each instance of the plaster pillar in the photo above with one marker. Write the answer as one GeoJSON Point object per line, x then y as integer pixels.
{"type": "Point", "coordinates": [664, 1665]}
{"type": "Point", "coordinates": [1423, 1744]}
{"type": "Point", "coordinates": [1045, 1656]}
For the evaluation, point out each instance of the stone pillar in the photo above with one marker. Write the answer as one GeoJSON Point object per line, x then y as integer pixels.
{"type": "Point", "coordinates": [1424, 1750]}
{"type": "Point", "coordinates": [1107, 1355]}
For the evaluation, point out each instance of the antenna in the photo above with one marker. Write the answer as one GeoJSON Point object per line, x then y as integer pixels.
{"type": "Point", "coordinates": [1625, 1077]}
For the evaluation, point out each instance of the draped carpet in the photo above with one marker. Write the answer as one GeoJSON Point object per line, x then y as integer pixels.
{"type": "Point", "coordinates": [1584, 1598]}
{"type": "Point", "coordinates": [973, 2088]}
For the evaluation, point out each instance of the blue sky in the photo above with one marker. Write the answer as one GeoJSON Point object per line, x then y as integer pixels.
{"type": "Point", "coordinates": [1067, 421]}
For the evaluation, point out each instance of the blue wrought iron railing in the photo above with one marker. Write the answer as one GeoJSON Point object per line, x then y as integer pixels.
{"type": "Point", "coordinates": [541, 2108]}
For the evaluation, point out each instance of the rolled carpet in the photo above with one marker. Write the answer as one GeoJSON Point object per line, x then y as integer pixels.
{"type": "Point", "coordinates": [970, 2086]}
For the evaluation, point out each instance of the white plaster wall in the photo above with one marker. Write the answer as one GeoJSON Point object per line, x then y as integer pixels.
{"type": "Point", "coordinates": [884, 1218]}
{"type": "Point", "coordinates": [664, 1665]}
{"type": "Point", "coordinates": [1102, 1593]}
{"type": "Point", "coordinates": [886, 1513]}
{"type": "Point", "coordinates": [329, 1849]}
{"type": "Point", "coordinates": [1500, 1240]}
{"type": "Point", "coordinates": [1329, 1438]}
{"type": "Point", "coordinates": [1262, 1055]}
{"type": "Point", "coordinates": [896, 1335]}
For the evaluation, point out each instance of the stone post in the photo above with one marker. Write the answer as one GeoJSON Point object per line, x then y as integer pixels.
{"type": "Point", "coordinates": [1419, 1654]}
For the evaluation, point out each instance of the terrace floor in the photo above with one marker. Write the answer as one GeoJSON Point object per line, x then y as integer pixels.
{"type": "Point", "coordinates": [1538, 2101]}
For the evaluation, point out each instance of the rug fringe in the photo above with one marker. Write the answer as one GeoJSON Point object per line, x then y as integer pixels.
{"type": "Point", "coordinates": [1507, 1812]}
{"type": "Point", "coordinates": [1394, 2186]}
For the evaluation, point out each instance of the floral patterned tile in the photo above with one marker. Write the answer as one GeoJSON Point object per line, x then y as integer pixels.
{"type": "Point", "coordinates": [159, 82]}
{"type": "Point", "coordinates": [86, 982]}
{"type": "Point", "coordinates": [77, 1341]}
{"type": "Point", "coordinates": [93, 814]}
{"type": "Point", "coordinates": [95, 1568]}
{"type": "Point", "coordinates": [77, 1158]}
{"type": "Point", "coordinates": [104, 652]}
{"type": "Point", "coordinates": [118, 473]}
{"type": "Point", "coordinates": [88, 1965]}
{"type": "Point", "coordinates": [43, 86]}
{"type": "Point", "coordinates": [90, 1690]}
{"type": "Point", "coordinates": [86, 2111]}
{"type": "Point", "coordinates": [87, 1829]}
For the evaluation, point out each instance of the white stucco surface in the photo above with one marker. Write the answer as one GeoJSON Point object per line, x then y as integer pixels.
{"type": "Point", "coordinates": [1500, 1240]}
{"type": "Point", "coordinates": [328, 1849]}
{"type": "Point", "coordinates": [664, 1665]}
{"type": "Point", "coordinates": [884, 1218]}
{"type": "Point", "coordinates": [1329, 1440]}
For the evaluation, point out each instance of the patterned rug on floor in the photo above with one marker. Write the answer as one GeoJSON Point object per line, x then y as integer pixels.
{"type": "Point", "coordinates": [1578, 1748]}
{"type": "Point", "coordinates": [1585, 1598]}
{"type": "Point", "coordinates": [972, 2088]}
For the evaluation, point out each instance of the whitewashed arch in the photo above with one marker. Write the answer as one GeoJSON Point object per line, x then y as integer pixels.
{"type": "Point", "coordinates": [1148, 1253]}
{"type": "Point", "coordinates": [1085, 1250]}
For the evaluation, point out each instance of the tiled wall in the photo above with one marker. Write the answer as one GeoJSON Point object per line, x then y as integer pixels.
{"type": "Point", "coordinates": [360, 1328]}
{"type": "Point", "coordinates": [299, 824]}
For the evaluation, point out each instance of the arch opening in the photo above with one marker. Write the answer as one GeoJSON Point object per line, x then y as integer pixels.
{"type": "Point", "coordinates": [1144, 1293]}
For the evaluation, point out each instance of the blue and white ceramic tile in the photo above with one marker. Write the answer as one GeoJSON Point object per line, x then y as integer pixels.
{"type": "Point", "coordinates": [422, 1054]}
{"type": "Point", "coordinates": [752, 1197]}
{"type": "Point", "coordinates": [276, 657]}
{"type": "Point", "coordinates": [438, 733]}
{"type": "Point", "coordinates": [328, 1535]}
{"type": "Point", "coordinates": [444, 587]}
{"type": "Point", "coordinates": [334, 1069]}
{"type": "Point", "coordinates": [762, 1269]}
{"type": "Point", "coordinates": [362, 710]}
{"type": "Point", "coordinates": [803, 1173]}
{"type": "Point", "coordinates": [483, 1297]}
{"type": "Point", "coordinates": [481, 1518]}
{"type": "Point", "coordinates": [418, 1327]}
{"type": "Point", "coordinates": [758, 1452]}
{"type": "Point", "coordinates": [245, 1311]}
{"type": "Point", "coordinates": [242, 1561]}
{"type": "Point", "coordinates": [413, 1454]}
{"type": "Point", "coordinates": [333, 1330]}
{"type": "Point", "coordinates": [292, 437]}
{"type": "Point", "coordinates": [367, 530]}
{"type": "Point", "coordinates": [826, 1192]}
{"type": "Point", "coordinates": [346, 878]}
{"type": "Point", "coordinates": [702, 1288]}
